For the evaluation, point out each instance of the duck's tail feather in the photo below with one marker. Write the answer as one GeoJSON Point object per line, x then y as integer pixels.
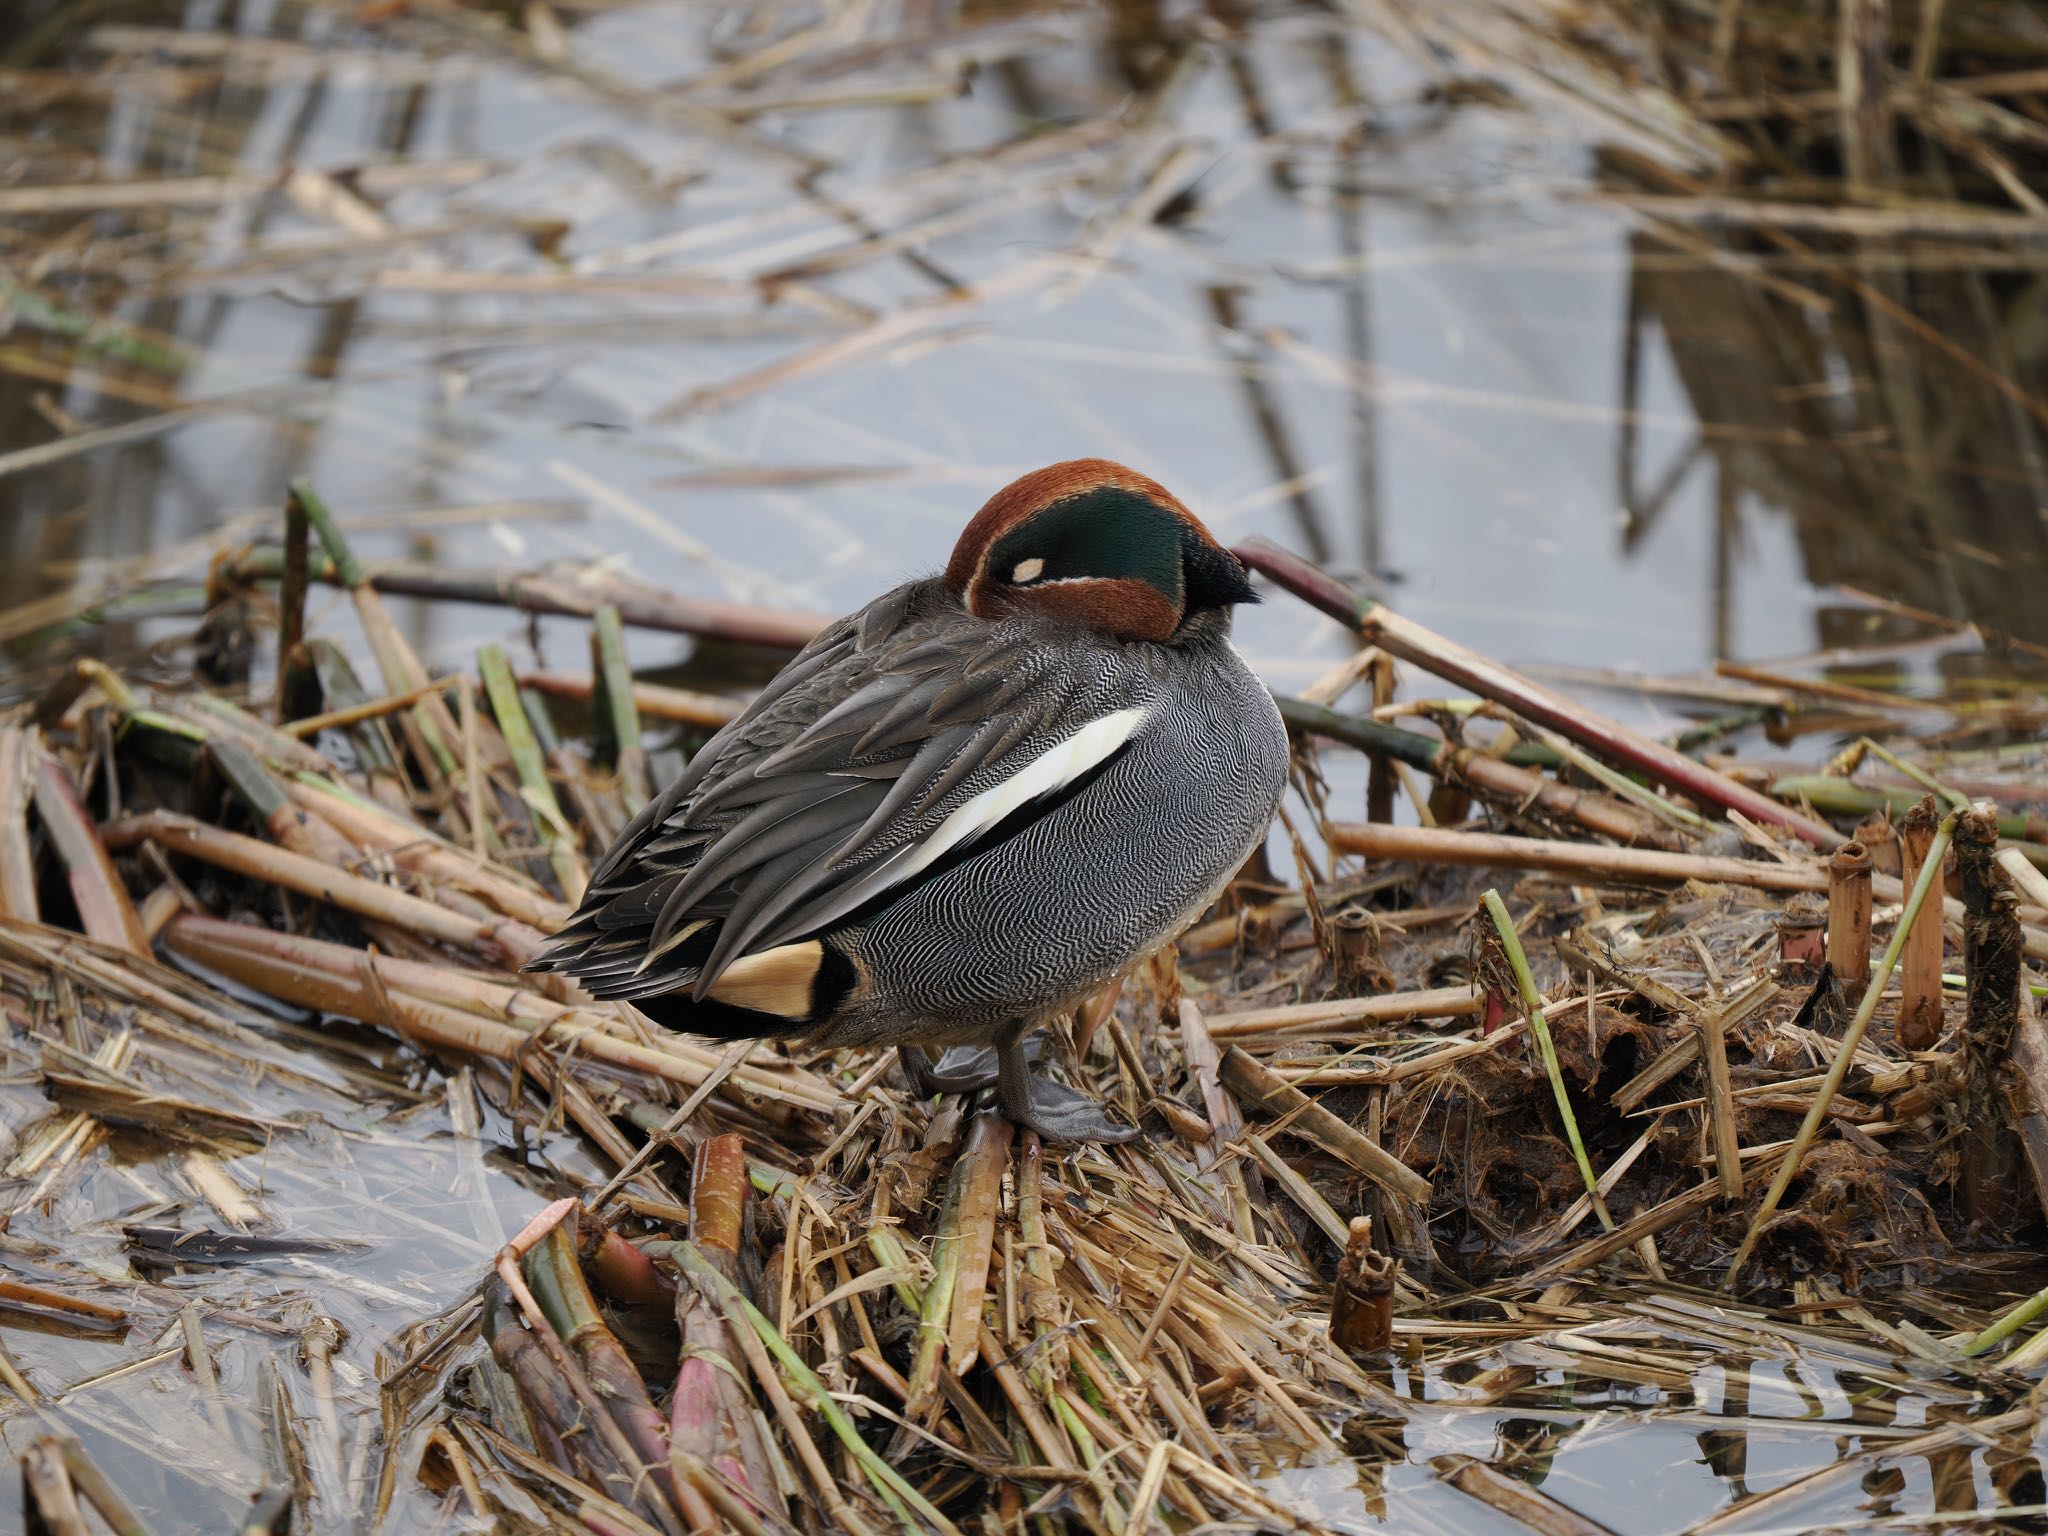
{"type": "Point", "coordinates": [787, 990]}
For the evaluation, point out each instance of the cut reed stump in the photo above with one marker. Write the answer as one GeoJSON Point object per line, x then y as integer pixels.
{"type": "Point", "coordinates": [1919, 1022]}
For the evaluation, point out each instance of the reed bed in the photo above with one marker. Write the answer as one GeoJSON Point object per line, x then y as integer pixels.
{"type": "Point", "coordinates": [1699, 1075]}
{"type": "Point", "coordinates": [1510, 1098]}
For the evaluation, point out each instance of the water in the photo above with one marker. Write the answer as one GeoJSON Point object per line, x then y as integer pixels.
{"type": "Point", "coordinates": [1390, 324]}
{"type": "Point", "coordinates": [1522, 466]}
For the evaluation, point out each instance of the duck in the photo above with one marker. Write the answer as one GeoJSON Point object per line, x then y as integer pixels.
{"type": "Point", "coordinates": [963, 809]}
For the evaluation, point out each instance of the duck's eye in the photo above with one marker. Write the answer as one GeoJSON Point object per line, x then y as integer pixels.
{"type": "Point", "coordinates": [1028, 570]}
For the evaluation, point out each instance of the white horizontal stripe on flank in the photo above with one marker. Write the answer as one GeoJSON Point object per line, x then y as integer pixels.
{"type": "Point", "coordinates": [1051, 771]}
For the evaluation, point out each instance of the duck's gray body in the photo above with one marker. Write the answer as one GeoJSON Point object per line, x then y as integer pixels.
{"type": "Point", "coordinates": [807, 829]}
{"type": "Point", "coordinates": [1037, 921]}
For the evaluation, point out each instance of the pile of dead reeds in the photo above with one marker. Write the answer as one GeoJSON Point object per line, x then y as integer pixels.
{"type": "Point", "coordinates": [1694, 1036]}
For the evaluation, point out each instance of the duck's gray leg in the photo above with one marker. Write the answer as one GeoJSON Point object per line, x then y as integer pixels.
{"type": "Point", "coordinates": [1052, 1109]}
{"type": "Point", "coordinates": [963, 1069]}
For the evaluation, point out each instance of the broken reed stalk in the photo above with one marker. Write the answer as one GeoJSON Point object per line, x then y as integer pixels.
{"type": "Point", "coordinates": [1622, 865]}
{"type": "Point", "coordinates": [1713, 1038]}
{"type": "Point", "coordinates": [618, 716]}
{"type": "Point", "coordinates": [556, 1278]}
{"type": "Point", "coordinates": [1447, 659]}
{"type": "Point", "coordinates": [17, 793]}
{"type": "Point", "coordinates": [1506, 783]}
{"type": "Point", "coordinates": [987, 1157]}
{"type": "Point", "coordinates": [662, 702]}
{"type": "Point", "coordinates": [574, 593]}
{"type": "Point", "coordinates": [762, 1341]}
{"type": "Point", "coordinates": [1362, 1305]}
{"type": "Point", "coordinates": [2005, 1326]}
{"type": "Point", "coordinates": [430, 725]}
{"type": "Point", "coordinates": [104, 908]}
{"type": "Point", "coordinates": [1994, 983]}
{"type": "Point", "coordinates": [2026, 879]}
{"type": "Point", "coordinates": [1849, 920]}
{"type": "Point", "coordinates": [1587, 860]}
{"type": "Point", "coordinates": [509, 709]}
{"type": "Point", "coordinates": [1532, 1008]}
{"type": "Point", "coordinates": [441, 1006]}
{"type": "Point", "coordinates": [710, 1415]}
{"type": "Point", "coordinates": [263, 861]}
{"type": "Point", "coordinates": [1845, 797]}
{"type": "Point", "coordinates": [1845, 1052]}
{"type": "Point", "coordinates": [1919, 1024]}
{"type": "Point", "coordinates": [291, 597]}
{"type": "Point", "coordinates": [1304, 1117]}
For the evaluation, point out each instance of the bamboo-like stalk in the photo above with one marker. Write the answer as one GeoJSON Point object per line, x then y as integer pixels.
{"type": "Point", "coordinates": [664, 703]}
{"type": "Point", "coordinates": [295, 872]}
{"type": "Point", "coordinates": [551, 1405]}
{"type": "Point", "coordinates": [1919, 1024]}
{"type": "Point", "coordinates": [1503, 782]}
{"type": "Point", "coordinates": [934, 1323]}
{"type": "Point", "coordinates": [1849, 920]}
{"type": "Point", "coordinates": [710, 1417]}
{"type": "Point", "coordinates": [573, 593]}
{"type": "Point", "coordinates": [1318, 1020]}
{"type": "Point", "coordinates": [986, 1158]}
{"type": "Point", "coordinates": [557, 1282]}
{"type": "Point", "coordinates": [1260, 1085]}
{"type": "Point", "coordinates": [1845, 797]}
{"type": "Point", "coordinates": [1713, 1037]}
{"type": "Point", "coordinates": [618, 717]}
{"type": "Point", "coordinates": [761, 1340]}
{"type": "Point", "coordinates": [291, 597]}
{"type": "Point", "coordinates": [379, 829]}
{"type": "Point", "coordinates": [1923, 884]}
{"type": "Point", "coordinates": [2007, 1324]}
{"type": "Point", "coordinates": [1592, 861]}
{"type": "Point", "coordinates": [104, 908]}
{"type": "Point", "coordinates": [2026, 879]}
{"type": "Point", "coordinates": [1446, 658]}
{"type": "Point", "coordinates": [1532, 1009]}
{"type": "Point", "coordinates": [1586, 860]}
{"type": "Point", "coordinates": [446, 1009]}
{"type": "Point", "coordinates": [600, 1437]}
{"type": "Point", "coordinates": [17, 793]}
{"type": "Point", "coordinates": [510, 712]}
{"type": "Point", "coordinates": [430, 725]}
{"type": "Point", "coordinates": [367, 709]}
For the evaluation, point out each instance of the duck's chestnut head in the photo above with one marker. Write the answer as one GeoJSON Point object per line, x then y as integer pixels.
{"type": "Point", "coordinates": [1099, 545]}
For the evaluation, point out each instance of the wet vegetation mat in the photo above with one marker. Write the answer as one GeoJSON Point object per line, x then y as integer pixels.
{"type": "Point", "coordinates": [1565, 1124]}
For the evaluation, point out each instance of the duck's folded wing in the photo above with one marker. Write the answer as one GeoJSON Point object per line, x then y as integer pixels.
{"type": "Point", "coordinates": [898, 742]}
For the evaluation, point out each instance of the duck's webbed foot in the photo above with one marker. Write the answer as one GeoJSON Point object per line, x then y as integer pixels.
{"type": "Point", "coordinates": [963, 1069]}
{"type": "Point", "coordinates": [1058, 1113]}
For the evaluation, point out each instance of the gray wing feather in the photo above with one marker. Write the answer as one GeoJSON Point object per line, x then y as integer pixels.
{"type": "Point", "coordinates": [802, 808]}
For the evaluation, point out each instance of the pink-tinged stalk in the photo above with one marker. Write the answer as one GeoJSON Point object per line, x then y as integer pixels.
{"type": "Point", "coordinates": [564, 1297]}
{"type": "Point", "coordinates": [623, 1272]}
{"type": "Point", "coordinates": [601, 1442]}
{"type": "Point", "coordinates": [104, 910]}
{"type": "Point", "coordinates": [1610, 739]}
{"type": "Point", "coordinates": [711, 1416]}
